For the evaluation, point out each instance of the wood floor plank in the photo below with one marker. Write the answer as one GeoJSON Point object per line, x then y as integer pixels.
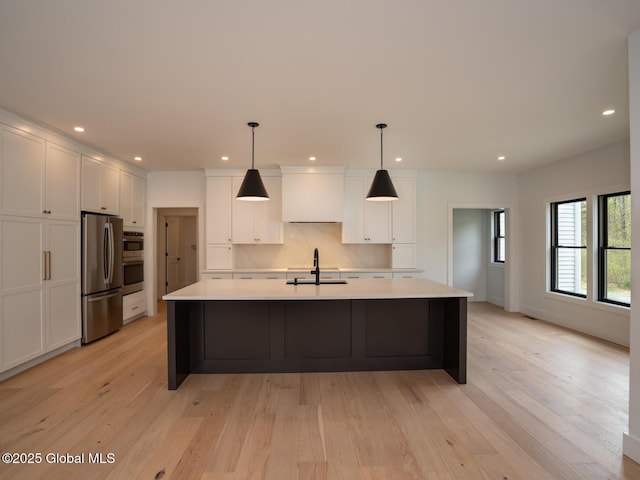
{"type": "Point", "coordinates": [541, 402]}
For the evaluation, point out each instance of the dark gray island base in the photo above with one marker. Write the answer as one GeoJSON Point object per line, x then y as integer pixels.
{"type": "Point", "coordinates": [313, 335]}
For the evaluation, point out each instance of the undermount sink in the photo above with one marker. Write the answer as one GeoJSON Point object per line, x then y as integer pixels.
{"type": "Point", "coordinates": [295, 281]}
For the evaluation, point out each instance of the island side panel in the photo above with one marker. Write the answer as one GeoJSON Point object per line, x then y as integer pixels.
{"type": "Point", "coordinates": [178, 342]}
{"type": "Point", "coordinates": [455, 338]}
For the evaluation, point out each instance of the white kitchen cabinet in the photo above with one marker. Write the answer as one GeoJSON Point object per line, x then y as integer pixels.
{"type": "Point", "coordinates": [39, 179]}
{"type": "Point", "coordinates": [403, 255]}
{"type": "Point", "coordinates": [132, 199]}
{"type": "Point", "coordinates": [404, 210]}
{"type": "Point", "coordinates": [100, 186]}
{"type": "Point", "coordinates": [216, 276]}
{"type": "Point", "coordinates": [62, 287]}
{"type": "Point", "coordinates": [133, 305]}
{"type": "Point", "coordinates": [348, 275]}
{"type": "Point", "coordinates": [258, 222]}
{"type": "Point", "coordinates": [254, 275]}
{"type": "Point", "coordinates": [364, 221]}
{"type": "Point", "coordinates": [22, 173]}
{"type": "Point", "coordinates": [219, 254]}
{"type": "Point", "coordinates": [307, 275]}
{"type": "Point", "coordinates": [39, 287]}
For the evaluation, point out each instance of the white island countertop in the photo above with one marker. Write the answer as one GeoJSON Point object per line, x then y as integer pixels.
{"type": "Point", "coordinates": [277, 289]}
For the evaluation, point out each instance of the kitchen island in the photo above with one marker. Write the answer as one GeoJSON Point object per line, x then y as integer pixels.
{"type": "Point", "coordinates": [216, 326]}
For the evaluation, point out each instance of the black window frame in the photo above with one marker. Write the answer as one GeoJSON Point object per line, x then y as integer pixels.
{"type": "Point", "coordinates": [603, 247]}
{"type": "Point", "coordinates": [555, 247]}
{"type": "Point", "coordinates": [497, 235]}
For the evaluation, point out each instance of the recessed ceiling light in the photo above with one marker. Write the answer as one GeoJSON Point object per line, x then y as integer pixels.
{"type": "Point", "coordinates": [398, 159]}
{"type": "Point", "coordinates": [501, 157]}
{"type": "Point", "coordinates": [313, 159]}
{"type": "Point", "coordinates": [225, 158]}
{"type": "Point", "coordinates": [137, 159]}
{"type": "Point", "coordinates": [79, 129]}
{"type": "Point", "coordinates": [608, 112]}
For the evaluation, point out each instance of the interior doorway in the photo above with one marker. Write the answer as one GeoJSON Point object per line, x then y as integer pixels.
{"type": "Point", "coordinates": [177, 249]}
{"type": "Point", "coordinates": [473, 266]}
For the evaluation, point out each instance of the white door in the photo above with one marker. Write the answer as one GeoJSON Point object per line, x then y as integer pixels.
{"type": "Point", "coordinates": [173, 280]}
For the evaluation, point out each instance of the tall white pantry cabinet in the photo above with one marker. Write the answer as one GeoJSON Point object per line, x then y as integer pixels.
{"type": "Point", "coordinates": [39, 246]}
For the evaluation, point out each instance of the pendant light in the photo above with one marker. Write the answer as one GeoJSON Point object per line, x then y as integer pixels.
{"type": "Point", "coordinates": [382, 188]}
{"type": "Point", "coordinates": [252, 188]}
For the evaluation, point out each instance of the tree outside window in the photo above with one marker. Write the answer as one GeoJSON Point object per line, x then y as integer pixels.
{"type": "Point", "coordinates": [614, 248]}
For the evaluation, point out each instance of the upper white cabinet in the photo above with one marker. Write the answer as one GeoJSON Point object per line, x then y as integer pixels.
{"type": "Point", "coordinates": [218, 224]}
{"type": "Point", "coordinates": [404, 210]}
{"type": "Point", "coordinates": [258, 222]}
{"type": "Point", "coordinates": [39, 179]}
{"type": "Point", "coordinates": [132, 199]}
{"type": "Point", "coordinates": [62, 189]}
{"type": "Point", "coordinates": [364, 221]}
{"type": "Point", "coordinates": [403, 254]}
{"type": "Point", "coordinates": [22, 173]}
{"type": "Point", "coordinates": [100, 186]}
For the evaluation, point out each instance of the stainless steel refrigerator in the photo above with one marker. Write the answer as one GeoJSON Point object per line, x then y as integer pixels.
{"type": "Point", "coordinates": [102, 276]}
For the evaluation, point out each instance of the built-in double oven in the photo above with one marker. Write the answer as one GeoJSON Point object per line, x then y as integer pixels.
{"type": "Point", "coordinates": [133, 262]}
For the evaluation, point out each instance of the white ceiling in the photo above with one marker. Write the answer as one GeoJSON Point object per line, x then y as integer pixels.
{"type": "Point", "coordinates": [459, 82]}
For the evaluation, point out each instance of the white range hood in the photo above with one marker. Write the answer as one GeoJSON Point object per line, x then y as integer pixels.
{"type": "Point", "coordinates": [312, 194]}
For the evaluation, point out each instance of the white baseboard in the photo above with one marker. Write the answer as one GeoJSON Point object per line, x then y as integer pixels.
{"type": "Point", "coordinates": [35, 361]}
{"type": "Point", "coordinates": [631, 447]}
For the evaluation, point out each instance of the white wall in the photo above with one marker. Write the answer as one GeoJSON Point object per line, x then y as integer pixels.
{"type": "Point", "coordinates": [604, 170]}
{"type": "Point", "coordinates": [631, 444]}
{"type": "Point", "coordinates": [438, 195]}
{"type": "Point", "coordinates": [173, 189]}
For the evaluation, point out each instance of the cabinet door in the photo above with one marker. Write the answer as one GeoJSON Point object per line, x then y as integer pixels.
{"type": "Point", "coordinates": [132, 199]}
{"type": "Point", "coordinates": [404, 211]}
{"type": "Point", "coordinates": [22, 289]}
{"type": "Point", "coordinates": [62, 288]}
{"type": "Point", "coordinates": [403, 255]}
{"type": "Point", "coordinates": [138, 201]}
{"type": "Point", "coordinates": [377, 222]}
{"type": "Point", "coordinates": [353, 223]}
{"type": "Point", "coordinates": [243, 218]}
{"type": "Point", "coordinates": [269, 226]}
{"type": "Point", "coordinates": [110, 189]}
{"type": "Point", "coordinates": [218, 213]}
{"type": "Point", "coordinates": [91, 184]}
{"type": "Point", "coordinates": [62, 183]}
{"type": "Point", "coordinates": [364, 221]}
{"type": "Point", "coordinates": [126, 188]}
{"type": "Point", "coordinates": [22, 173]}
{"type": "Point", "coordinates": [219, 257]}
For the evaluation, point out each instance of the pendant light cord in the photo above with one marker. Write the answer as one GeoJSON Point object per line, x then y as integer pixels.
{"type": "Point", "coordinates": [252, 145]}
{"type": "Point", "coordinates": [381, 149]}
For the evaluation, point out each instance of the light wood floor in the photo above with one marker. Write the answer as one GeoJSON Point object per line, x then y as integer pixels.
{"type": "Point", "coordinates": [541, 403]}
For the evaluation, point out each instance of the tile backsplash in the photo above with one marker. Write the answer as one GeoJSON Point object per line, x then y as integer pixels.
{"type": "Point", "coordinates": [297, 250]}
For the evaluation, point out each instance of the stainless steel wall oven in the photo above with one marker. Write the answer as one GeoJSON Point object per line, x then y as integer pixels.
{"type": "Point", "coordinates": [133, 262]}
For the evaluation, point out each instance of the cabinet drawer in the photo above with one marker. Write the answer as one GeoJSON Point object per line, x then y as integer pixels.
{"type": "Point", "coordinates": [133, 305]}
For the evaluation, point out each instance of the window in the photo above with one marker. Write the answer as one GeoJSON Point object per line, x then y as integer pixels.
{"type": "Point", "coordinates": [614, 248]}
{"type": "Point", "coordinates": [498, 236]}
{"type": "Point", "coordinates": [569, 247]}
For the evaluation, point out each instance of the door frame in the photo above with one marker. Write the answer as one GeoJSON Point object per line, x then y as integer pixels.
{"type": "Point", "coordinates": [511, 266]}
{"type": "Point", "coordinates": [151, 245]}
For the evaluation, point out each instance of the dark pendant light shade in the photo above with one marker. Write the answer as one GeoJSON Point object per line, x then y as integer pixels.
{"type": "Point", "coordinates": [382, 188]}
{"type": "Point", "coordinates": [252, 188]}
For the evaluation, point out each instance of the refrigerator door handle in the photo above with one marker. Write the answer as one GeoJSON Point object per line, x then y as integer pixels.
{"type": "Point", "coordinates": [103, 297]}
{"type": "Point", "coordinates": [105, 254]}
{"type": "Point", "coordinates": [111, 253]}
